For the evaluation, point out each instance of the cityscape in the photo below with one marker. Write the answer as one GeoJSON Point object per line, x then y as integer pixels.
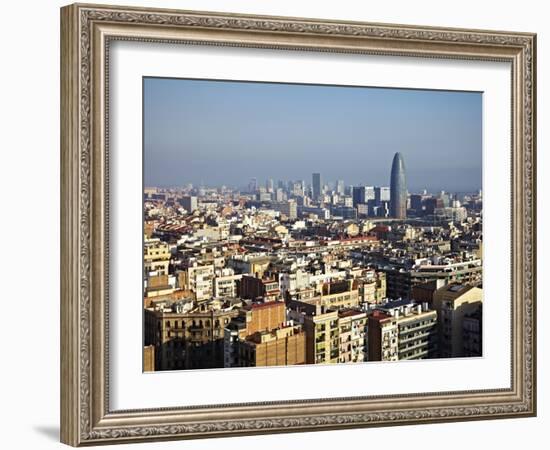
{"type": "Point", "coordinates": [290, 272]}
{"type": "Point", "coordinates": [265, 246]}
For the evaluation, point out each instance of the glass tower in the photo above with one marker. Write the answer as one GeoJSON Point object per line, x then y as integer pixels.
{"type": "Point", "coordinates": [398, 188]}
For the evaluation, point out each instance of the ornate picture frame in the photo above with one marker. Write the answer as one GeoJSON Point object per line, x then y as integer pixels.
{"type": "Point", "coordinates": [86, 34]}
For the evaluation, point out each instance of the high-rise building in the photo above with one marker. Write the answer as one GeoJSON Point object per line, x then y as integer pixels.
{"type": "Point", "coordinates": [189, 203]}
{"type": "Point", "coordinates": [358, 195]}
{"type": "Point", "coordinates": [381, 194]}
{"type": "Point", "coordinates": [316, 186]}
{"type": "Point", "coordinates": [416, 203]}
{"type": "Point", "coordinates": [369, 193]}
{"type": "Point", "coordinates": [288, 208]}
{"type": "Point", "coordinates": [398, 188]}
{"type": "Point", "coordinates": [340, 187]}
{"type": "Point", "coordinates": [279, 195]}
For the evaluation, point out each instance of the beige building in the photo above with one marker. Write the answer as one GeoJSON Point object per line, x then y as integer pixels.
{"type": "Point", "coordinates": [156, 257]}
{"type": "Point", "coordinates": [372, 288]}
{"type": "Point", "coordinates": [226, 285]}
{"type": "Point", "coordinates": [452, 303]}
{"type": "Point", "coordinates": [253, 265]}
{"type": "Point", "coordinates": [188, 336]}
{"type": "Point", "coordinates": [336, 296]}
{"type": "Point", "coordinates": [402, 282]}
{"type": "Point", "coordinates": [149, 358]}
{"type": "Point", "coordinates": [200, 281]}
{"type": "Point", "coordinates": [322, 336]}
{"type": "Point", "coordinates": [261, 336]}
{"type": "Point", "coordinates": [352, 326]}
{"type": "Point", "coordinates": [158, 286]}
{"type": "Point", "coordinates": [279, 347]}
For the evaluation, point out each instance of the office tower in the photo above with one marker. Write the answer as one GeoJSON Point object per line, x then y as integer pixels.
{"type": "Point", "coordinates": [381, 194]}
{"type": "Point", "coordinates": [297, 188]}
{"type": "Point", "coordinates": [445, 198]}
{"type": "Point", "coordinates": [431, 204]}
{"type": "Point", "coordinates": [398, 188]}
{"type": "Point", "coordinates": [358, 195]}
{"type": "Point", "coordinates": [416, 202]}
{"type": "Point", "coordinates": [340, 187]}
{"type": "Point", "coordinates": [279, 195]}
{"type": "Point", "coordinates": [369, 193]}
{"type": "Point", "coordinates": [347, 201]}
{"type": "Point", "coordinates": [289, 208]}
{"type": "Point", "coordinates": [316, 186]}
{"type": "Point", "coordinates": [189, 203]}
{"type": "Point", "coordinates": [269, 185]}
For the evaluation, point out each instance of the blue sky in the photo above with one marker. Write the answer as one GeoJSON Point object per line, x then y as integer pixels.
{"type": "Point", "coordinates": [225, 133]}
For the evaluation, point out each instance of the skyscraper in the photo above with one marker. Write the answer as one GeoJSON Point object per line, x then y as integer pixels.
{"type": "Point", "coordinates": [381, 194]}
{"type": "Point", "coordinates": [316, 186]}
{"type": "Point", "coordinates": [398, 188]}
{"type": "Point", "coordinates": [340, 187]}
{"type": "Point", "coordinates": [358, 195]}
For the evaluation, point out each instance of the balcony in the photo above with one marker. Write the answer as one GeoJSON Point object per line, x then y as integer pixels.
{"type": "Point", "coordinates": [413, 337]}
{"type": "Point", "coordinates": [416, 355]}
{"type": "Point", "coordinates": [412, 347]}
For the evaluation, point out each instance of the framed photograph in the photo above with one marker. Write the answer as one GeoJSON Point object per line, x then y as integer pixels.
{"type": "Point", "coordinates": [276, 224]}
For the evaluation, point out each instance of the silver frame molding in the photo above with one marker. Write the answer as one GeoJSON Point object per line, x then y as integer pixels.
{"type": "Point", "coordinates": [86, 32]}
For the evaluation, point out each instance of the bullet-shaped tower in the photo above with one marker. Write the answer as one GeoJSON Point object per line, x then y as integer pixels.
{"type": "Point", "coordinates": [398, 188]}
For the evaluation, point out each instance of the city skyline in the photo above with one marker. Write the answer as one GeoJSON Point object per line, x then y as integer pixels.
{"type": "Point", "coordinates": [292, 224]}
{"type": "Point", "coordinates": [398, 179]}
{"type": "Point", "coordinates": [284, 129]}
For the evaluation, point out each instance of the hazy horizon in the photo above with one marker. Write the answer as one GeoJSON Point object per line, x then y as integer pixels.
{"type": "Point", "coordinates": [225, 133]}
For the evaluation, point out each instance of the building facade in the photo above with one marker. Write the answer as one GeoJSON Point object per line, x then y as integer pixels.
{"type": "Point", "coordinates": [316, 186]}
{"type": "Point", "coordinates": [453, 304]}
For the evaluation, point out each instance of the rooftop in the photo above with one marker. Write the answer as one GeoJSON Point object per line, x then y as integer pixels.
{"type": "Point", "coordinates": [380, 315]}
{"type": "Point", "coordinates": [349, 312]}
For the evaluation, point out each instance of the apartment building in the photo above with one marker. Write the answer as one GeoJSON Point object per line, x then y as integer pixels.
{"type": "Point", "coordinates": [453, 303]}
{"type": "Point", "coordinates": [352, 328]}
